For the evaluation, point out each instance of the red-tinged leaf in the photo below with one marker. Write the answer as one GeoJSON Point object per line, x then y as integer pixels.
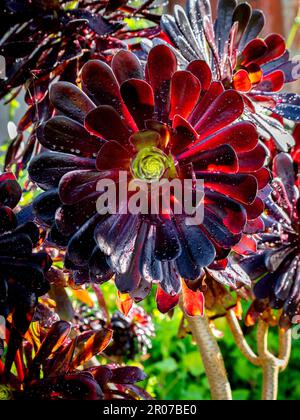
{"type": "Point", "coordinates": [253, 160]}
{"type": "Point", "coordinates": [127, 375]}
{"type": "Point", "coordinates": [80, 386]}
{"type": "Point", "coordinates": [246, 246]}
{"type": "Point", "coordinates": [193, 302]}
{"type": "Point", "coordinates": [255, 209]}
{"type": "Point", "coordinates": [102, 374]}
{"type": "Point", "coordinates": [105, 122]}
{"type": "Point", "coordinates": [56, 336]}
{"type": "Point", "coordinates": [100, 83]}
{"type": "Point", "coordinates": [68, 136]}
{"type": "Point", "coordinates": [241, 81]}
{"type": "Point", "coordinates": [10, 191]}
{"type": "Point", "coordinates": [274, 82]}
{"type": "Point", "coordinates": [164, 301]}
{"type": "Point", "coordinates": [139, 99]}
{"type": "Point", "coordinates": [71, 101]}
{"type": "Point", "coordinates": [226, 109]}
{"type": "Point", "coordinates": [185, 92]}
{"type": "Point", "coordinates": [90, 347]}
{"type": "Point", "coordinates": [275, 49]}
{"type": "Point", "coordinates": [183, 135]}
{"type": "Point", "coordinates": [202, 71]}
{"type": "Point", "coordinates": [161, 66]}
{"type": "Point", "coordinates": [254, 226]}
{"type": "Point", "coordinates": [263, 177]}
{"type": "Point", "coordinates": [124, 303]}
{"type": "Point", "coordinates": [253, 51]}
{"type": "Point", "coordinates": [215, 89]}
{"type": "Point", "coordinates": [221, 159]}
{"type": "Point", "coordinates": [120, 154]}
{"type": "Point", "coordinates": [242, 137]}
{"type": "Point", "coordinates": [126, 65]}
{"type": "Point", "coordinates": [241, 187]}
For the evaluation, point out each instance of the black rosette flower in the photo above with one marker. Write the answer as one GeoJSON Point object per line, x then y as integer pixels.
{"type": "Point", "coordinates": [42, 41]}
{"type": "Point", "coordinates": [230, 45]}
{"type": "Point", "coordinates": [165, 125]}
{"type": "Point", "coordinates": [276, 264]}
{"type": "Point", "coordinates": [22, 270]}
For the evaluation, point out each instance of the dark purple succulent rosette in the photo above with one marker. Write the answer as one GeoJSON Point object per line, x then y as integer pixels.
{"type": "Point", "coordinates": [258, 68]}
{"type": "Point", "coordinates": [57, 370]}
{"type": "Point", "coordinates": [42, 41]}
{"type": "Point", "coordinates": [22, 270]}
{"type": "Point", "coordinates": [276, 265]}
{"type": "Point", "coordinates": [104, 128]}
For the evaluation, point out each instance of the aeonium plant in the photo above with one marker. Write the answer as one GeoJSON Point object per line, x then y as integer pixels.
{"type": "Point", "coordinates": [23, 266]}
{"type": "Point", "coordinates": [44, 41]}
{"type": "Point", "coordinates": [146, 122]}
{"type": "Point", "coordinates": [54, 366]}
{"type": "Point", "coordinates": [232, 51]}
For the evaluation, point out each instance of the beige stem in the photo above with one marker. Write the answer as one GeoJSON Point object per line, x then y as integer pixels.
{"type": "Point", "coordinates": [270, 364]}
{"type": "Point", "coordinates": [270, 379]}
{"type": "Point", "coordinates": [285, 348]}
{"type": "Point", "coordinates": [211, 357]}
{"type": "Point", "coordinates": [240, 339]}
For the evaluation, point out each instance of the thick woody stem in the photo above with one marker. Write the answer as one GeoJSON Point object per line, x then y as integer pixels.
{"type": "Point", "coordinates": [285, 348]}
{"type": "Point", "coordinates": [240, 339]}
{"type": "Point", "coordinates": [211, 357]}
{"type": "Point", "coordinates": [270, 380]}
{"type": "Point", "coordinates": [270, 364]}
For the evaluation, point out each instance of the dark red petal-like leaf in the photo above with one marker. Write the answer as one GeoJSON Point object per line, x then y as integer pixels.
{"type": "Point", "coordinates": [185, 91]}
{"type": "Point", "coordinates": [126, 65]}
{"type": "Point", "coordinates": [139, 99]}
{"type": "Point", "coordinates": [77, 185]}
{"type": "Point", "coordinates": [253, 160]}
{"type": "Point", "coordinates": [242, 137]}
{"type": "Point", "coordinates": [161, 66]}
{"type": "Point", "coordinates": [127, 375]}
{"type": "Point", "coordinates": [238, 186]}
{"type": "Point", "coordinates": [228, 107]}
{"type": "Point", "coordinates": [215, 89]}
{"type": "Point", "coordinates": [121, 157]}
{"type": "Point", "coordinates": [106, 122]}
{"type": "Point", "coordinates": [48, 168]}
{"type": "Point", "coordinates": [71, 101]}
{"type": "Point", "coordinates": [102, 86]}
{"type": "Point", "coordinates": [202, 71]}
{"type": "Point", "coordinates": [10, 191]}
{"type": "Point", "coordinates": [276, 48]}
{"type": "Point", "coordinates": [220, 159]}
{"type": "Point", "coordinates": [94, 345]}
{"type": "Point", "coordinates": [68, 136]}
{"type": "Point", "coordinates": [273, 82]}
{"type": "Point", "coordinates": [164, 301]}
{"type": "Point", "coordinates": [253, 51]}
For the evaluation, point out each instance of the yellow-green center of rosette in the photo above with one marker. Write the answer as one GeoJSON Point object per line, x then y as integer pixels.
{"type": "Point", "coordinates": [151, 164]}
